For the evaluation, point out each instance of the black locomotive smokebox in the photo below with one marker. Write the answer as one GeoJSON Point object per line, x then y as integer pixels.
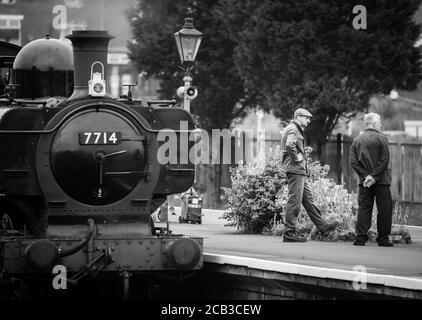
{"type": "Point", "coordinates": [89, 46]}
{"type": "Point", "coordinates": [41, 255]}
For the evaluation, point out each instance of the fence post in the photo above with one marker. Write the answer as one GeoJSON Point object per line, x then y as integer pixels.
{"type": "Point", "coordinates": [339, 158]}
{"type": "Point", "coordinates": [400, 172]}
{"type": "Point", "coordinates": [402, 162]}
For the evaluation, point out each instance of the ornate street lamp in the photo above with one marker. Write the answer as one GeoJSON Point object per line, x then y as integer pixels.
{"type": "Point", "coordinates": [188, 40]}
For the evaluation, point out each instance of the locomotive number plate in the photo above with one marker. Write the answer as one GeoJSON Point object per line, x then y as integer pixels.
{"type": "Point", "coordinates": [100, 137]}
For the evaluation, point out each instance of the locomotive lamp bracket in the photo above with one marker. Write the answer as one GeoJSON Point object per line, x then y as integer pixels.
{"type": "Point", "coordinates": [97, 84]}
{"type": "Point", "coordinates": [128, 96]}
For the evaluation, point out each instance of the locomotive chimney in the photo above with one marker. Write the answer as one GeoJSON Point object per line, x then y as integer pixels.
{"type": "Point", "coordinates": [88, 47]}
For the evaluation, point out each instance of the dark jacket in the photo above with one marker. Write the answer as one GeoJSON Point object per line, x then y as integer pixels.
{"type": "Point", "coordinates": [369, 155]}
{"type": "Point", "coordinates": [293, 144]}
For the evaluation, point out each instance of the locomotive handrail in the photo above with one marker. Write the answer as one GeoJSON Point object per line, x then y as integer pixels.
{"type": "Point", "coordinates": [161, 102]}
{"type": "Point", "coordinates": [24, 101]}
{"type": "Point", "coordinates": [83, 243]}
{"type": "Point", "coordinates": [86, 107]}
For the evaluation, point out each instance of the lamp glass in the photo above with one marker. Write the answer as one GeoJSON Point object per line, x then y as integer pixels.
{"type": "Point", "coordinates": [188, 40]}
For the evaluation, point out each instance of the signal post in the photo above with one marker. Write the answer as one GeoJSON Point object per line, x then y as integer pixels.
{"type": "Point", "coordinates": [186, 100]}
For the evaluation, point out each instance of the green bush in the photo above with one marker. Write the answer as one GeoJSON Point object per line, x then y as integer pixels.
{"type": "Point", "coordinates": [251, 199]}
{"type": "Point", "coordinates": [335, 203]}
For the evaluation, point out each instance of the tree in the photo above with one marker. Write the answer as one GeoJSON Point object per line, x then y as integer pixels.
{"type": "Point", "coordinates": [306, 53]}
{"type": "Point", "coordinates": [221, 97]}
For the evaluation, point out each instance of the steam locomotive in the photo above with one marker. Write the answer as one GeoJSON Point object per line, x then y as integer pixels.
{"type": "Point", "coordinates": [79, 173]}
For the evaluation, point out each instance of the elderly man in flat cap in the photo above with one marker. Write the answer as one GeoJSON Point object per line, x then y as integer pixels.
{"type": "Point", "coordinates": [295, 166]}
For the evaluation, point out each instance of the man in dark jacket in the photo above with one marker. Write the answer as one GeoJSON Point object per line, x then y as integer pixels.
{"type": "Point", "coordinates": [370, 157]}
{"type": "Point", "coordinates": [295, 166]}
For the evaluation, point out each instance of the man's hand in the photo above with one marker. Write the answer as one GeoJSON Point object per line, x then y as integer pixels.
{"type": "Point", "coordinates": [369, 181]}
{"type": "Point", "coordinates": [299, 157]}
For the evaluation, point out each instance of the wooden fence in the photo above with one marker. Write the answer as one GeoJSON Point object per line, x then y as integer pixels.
{"type": "Point", "coordinates": [405, 165]}
{"type": "Point", "coordinates": [209, 177]}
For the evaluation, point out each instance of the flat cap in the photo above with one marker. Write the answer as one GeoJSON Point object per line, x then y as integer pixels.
{"type": "Point", "coordinates": [302, 112]}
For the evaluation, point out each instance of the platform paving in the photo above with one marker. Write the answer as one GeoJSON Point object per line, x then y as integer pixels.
{"type": "Point", "coordinates": [404, 260]}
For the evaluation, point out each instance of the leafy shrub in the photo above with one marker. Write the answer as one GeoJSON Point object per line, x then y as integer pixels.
{"type": "Point", "coordinates": [400, 218]}
{"type": "Point", "coordinates": [251, 200]}
{"type": "Point", "coordinates": [335, 203]}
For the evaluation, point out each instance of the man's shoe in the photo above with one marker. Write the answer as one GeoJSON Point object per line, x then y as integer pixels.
{"type": "Point", "coordinates": [293, 238]}
{"type": "Point", "coordinates": [329, 227]}
{"type": "Point", "coordinates": [359, 243]}
{"type": "Point", "coordinates": [385, 244]}
{"type": "Point", "coordinates": [333, 236]}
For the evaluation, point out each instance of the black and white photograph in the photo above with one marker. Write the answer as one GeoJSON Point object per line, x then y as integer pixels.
{"type": "Point", "coordinates": [210, 158]}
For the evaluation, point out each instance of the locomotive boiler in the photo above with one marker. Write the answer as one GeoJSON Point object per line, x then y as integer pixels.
{"type": "Point", "coordinates": [79, 172]}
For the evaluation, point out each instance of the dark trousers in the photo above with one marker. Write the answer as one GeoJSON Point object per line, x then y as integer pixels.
{"type": "Point", "coordinates": [382, 195]}
{"type": "Point", "coordinates": [300, 193]}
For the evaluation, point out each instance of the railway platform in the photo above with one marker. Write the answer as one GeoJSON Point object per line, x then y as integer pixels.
{"type": "Point", "coordinates": [394, 272]}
